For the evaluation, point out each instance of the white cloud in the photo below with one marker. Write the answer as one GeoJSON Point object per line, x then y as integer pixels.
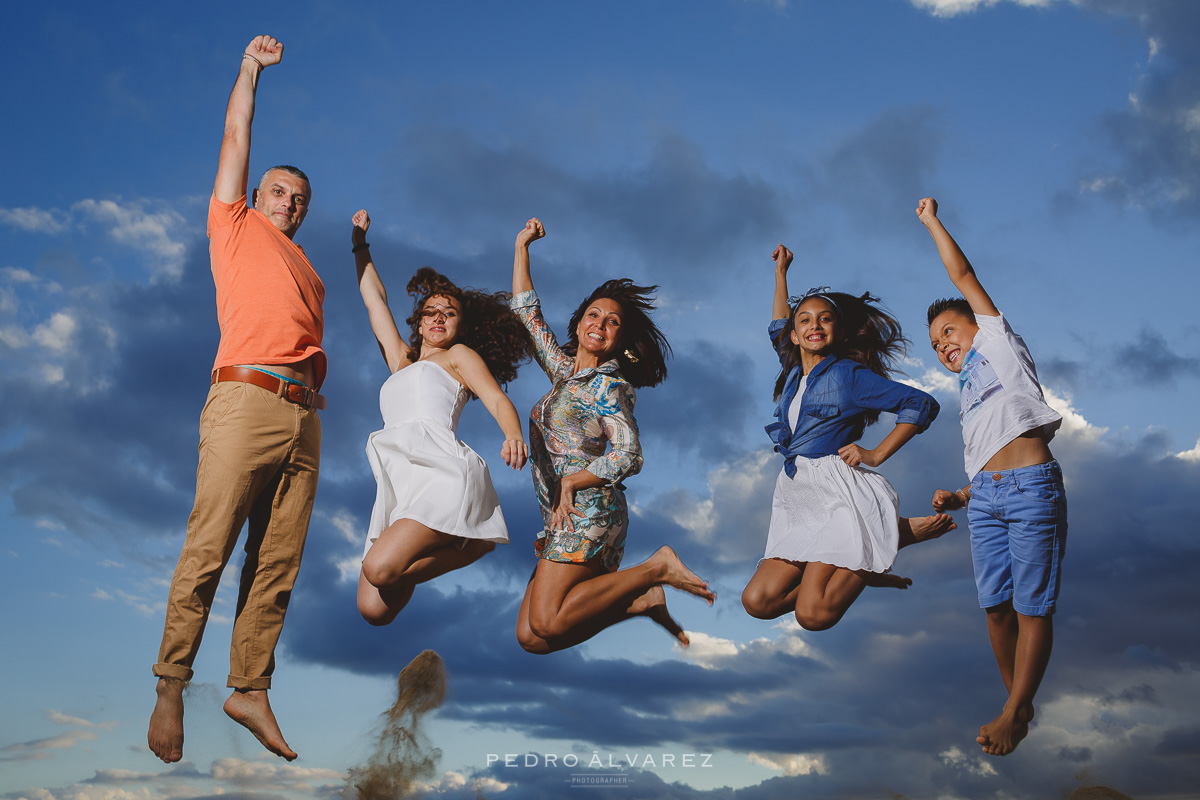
{"type": "Point", "coordinates": [63, 719]}
{"type": "Point", "coordinates": [55, 334]}
{"type": "Point", "coordinates": [934, 381]}
{"type": "Point", "coordinates": [345, 523]}
{"type": "Point", "coordinates": [791, 765]}
{"type": "Point", "coordinates": [40, 749]}
{"type": "Point", "coordinates": [706, 650]}
{"type": "Point", "coordinates": [35, 220]}
{"type": "Point", "coordinates": [14, 336]}
{"type": "Point", "coordinates": [952, 8]}
{"type": "Point", "coordinates": [1190, 455]}
{"type": "Point", "coordinates": [270, 773]}
{"type": "Point", "coordinates": [976, 765]}
{"type": "Point", "coordinates": [17, 275]}
{"type": "Point", "coordinates": [153, 233]}
{"type": "Point", "coordinates": [1074, 425]}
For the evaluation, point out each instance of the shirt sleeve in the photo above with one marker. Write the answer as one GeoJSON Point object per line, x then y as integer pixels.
{"type": "Point", "coordinates": [912, 406]}
{"type": "Point", "coordinates": [549, 355]}
{"type": "Point", "coordinates": [225, 215]}
{"type": "Point", "coordinates": [624, 456]}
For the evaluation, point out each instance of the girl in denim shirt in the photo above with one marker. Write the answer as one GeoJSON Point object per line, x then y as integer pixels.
{"type": "Point", "coordinates": [835, 527]}
{"type": "Point", "coordinates": [583, 441]}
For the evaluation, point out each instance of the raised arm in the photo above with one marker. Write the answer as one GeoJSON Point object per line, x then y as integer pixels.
{"type": "Point", "coordinates": [474, 372]}
{"type": "Point", "coordinates": [783, 259]}
{"type": "Point", "coordinates": [391, 343]}
{"type": "Point", "coordinates": [961, 273]}
{"type": "Point", "coordinates": [233, 166]}
{"type": "Point", "coordinates": [522, 280]}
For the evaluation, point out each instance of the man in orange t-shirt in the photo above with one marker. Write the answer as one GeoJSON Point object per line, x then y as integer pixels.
{"type": "Point", "coordinates": [260, 436]}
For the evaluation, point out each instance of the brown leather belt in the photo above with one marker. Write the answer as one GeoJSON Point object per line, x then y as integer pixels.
{"type": "Point", "coordinates": [295, 392]}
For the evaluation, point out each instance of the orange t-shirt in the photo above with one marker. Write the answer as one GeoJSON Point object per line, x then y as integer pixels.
{"type": "Point", "coordinates": [268, 295]}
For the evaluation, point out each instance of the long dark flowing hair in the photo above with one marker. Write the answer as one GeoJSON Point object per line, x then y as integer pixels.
{"type": "Point", "coordinates": [486, 325]}
{"type": "Point", "coordinates": [866, 333]}
{"type": "Point", "coordinates": [642, 350]}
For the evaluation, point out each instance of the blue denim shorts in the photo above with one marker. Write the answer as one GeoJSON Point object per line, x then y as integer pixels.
{"type": "Point", "coordinates": [1018, 520]}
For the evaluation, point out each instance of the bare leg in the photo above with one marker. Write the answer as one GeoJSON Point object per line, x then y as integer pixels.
{"type": "Point", "coordinates": [772, 590]}
{"type": "Point", "coordinates": [924, 529]}
{"type": "Point", "coordinates": [826, 592]}
{"type": "Point", "coordinates": [165, 736]}
{"type": "Point", "coordinates": [252, 710]}
{"type": "Point", "coordinates": [405, 554]}
{"type": "Point", "coordinates": [408, 552]}
{"type": "Point", "coordinates": [566, 604]}
{"type": "Point", "coordinates": [653, 606]}
{"type": "Point", "coordinates": [380, 606]}
{"type": "Point", "coordinates": [1030, 650]}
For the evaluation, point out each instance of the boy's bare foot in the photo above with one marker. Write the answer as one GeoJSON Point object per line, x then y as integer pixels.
{"type": "Point", "coordinates": [678, 576]}
{"type": "Point", "coordinates": [653, 605]}
{"type": "Point", "coordinates": [1002, 735]}
{"type": "Point", "coordinates": [925, 529]}
{"type": "Point", "coordinates": [252, 710]}
{"type": "Point", "coordinates": [885, 580]}
{"type": "Point", "coordinates": [165, 736]}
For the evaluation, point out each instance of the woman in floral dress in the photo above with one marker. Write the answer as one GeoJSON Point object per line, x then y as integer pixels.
{"type": "Point", "coordinates": [583, 442]}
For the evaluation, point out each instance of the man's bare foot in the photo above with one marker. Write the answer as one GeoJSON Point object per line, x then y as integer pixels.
{"type": "Point", "coordinates": [653, 605]}
{"type": "Point", "coordinates": [678, 576]}
{"type": "Point", "coordinates": [1002, 735]}
{"type": "Point", "coordinates": [885, 580]}
{"type": "Point", "coordinates": [924, 529]}
{"type": "Point", "coordinates": [252, 710]}
{"type": "Point", "coordinates": [165, 736]}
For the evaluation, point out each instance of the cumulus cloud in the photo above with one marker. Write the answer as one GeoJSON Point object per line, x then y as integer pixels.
{"type": "Point", "coordinates": [156, 233]}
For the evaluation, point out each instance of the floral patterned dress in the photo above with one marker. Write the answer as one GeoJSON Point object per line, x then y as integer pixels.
{"type": "Point", "coordinates": [583, 415]}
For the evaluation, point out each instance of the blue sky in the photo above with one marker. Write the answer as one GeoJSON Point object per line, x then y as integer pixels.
{"type": "Point", "coordinates": [671, 142]}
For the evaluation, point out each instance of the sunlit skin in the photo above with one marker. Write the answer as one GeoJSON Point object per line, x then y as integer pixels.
{"type": "Point", "coordinates": [815, 331]}
{"type": "Point", "coordinates": [599, 333]}
{"type": "Point", "coordinates": [440, 317]}
{"type": "Point", "coordinates": [951, 334]}
{"type": "Point", "coordinates": [283, 199]}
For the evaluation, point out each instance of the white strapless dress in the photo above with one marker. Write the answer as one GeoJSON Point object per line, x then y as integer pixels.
{"type": "Point", "coordinates": [422, 470]}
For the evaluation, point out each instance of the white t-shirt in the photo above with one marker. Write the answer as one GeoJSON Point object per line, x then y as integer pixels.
{"type": "Point", "coordinates": [999, 395]}
{"type": "Point", "coordinates": [794, 408]}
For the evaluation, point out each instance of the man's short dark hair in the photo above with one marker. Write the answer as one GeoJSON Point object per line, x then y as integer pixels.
{"type": "Point", "coordinates": [957, 304]}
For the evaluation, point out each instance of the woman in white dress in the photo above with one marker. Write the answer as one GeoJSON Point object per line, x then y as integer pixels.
{"type": "Point", "coordinates": [835, 525]}
{"type": "Point", "coordinates": [435, 507]}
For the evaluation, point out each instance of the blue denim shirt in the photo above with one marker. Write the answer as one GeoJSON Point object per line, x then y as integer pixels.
{"type": "Point", "coordinates": [838, 394]}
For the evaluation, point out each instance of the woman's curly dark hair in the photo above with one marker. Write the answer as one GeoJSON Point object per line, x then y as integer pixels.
{"type": "Point", "coordinates": [642, 350]}
{"type": "Point", "coordinates": [867, 334]}
{"type": "Point", "coordinates": [486, 325]}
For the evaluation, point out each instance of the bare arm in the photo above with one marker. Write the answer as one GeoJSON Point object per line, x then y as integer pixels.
{"type": "Point", "coordinates": [945, 500]}
{"type": "Point", "coordinates": [961, 273]}
{"type": "Point", "coordinates": [854, 455]}
{"type": "Point", "coordinates": [783, 259]}
{"type": "Point", "coordinates": [479, 380]}
{"type": "Point", "coordinates": [233, 166]}
{"type": "Point", "coordinates": [522, 280]}
{"type": "Point", "coordinates": [391, 343]}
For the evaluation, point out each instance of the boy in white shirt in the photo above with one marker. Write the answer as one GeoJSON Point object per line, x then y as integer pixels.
{"type": "Point", "coordinates": [1016, 505]}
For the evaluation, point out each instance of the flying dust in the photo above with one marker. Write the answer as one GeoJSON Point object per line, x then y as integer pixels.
{"type": "Point", "coordinates": [403, 755]}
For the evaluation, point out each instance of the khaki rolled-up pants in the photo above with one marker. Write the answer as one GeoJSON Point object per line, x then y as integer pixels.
{"type": "Point", "coordinates": [259, 459]}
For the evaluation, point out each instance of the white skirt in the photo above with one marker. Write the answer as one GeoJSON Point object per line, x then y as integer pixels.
{"type": "Point", "coordinates": [836, 514]}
